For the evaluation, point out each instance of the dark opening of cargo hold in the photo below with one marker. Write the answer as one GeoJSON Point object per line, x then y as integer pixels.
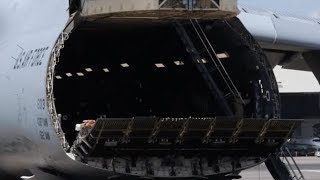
{"type": "Point", "coordinates": [160, 135]}
{"type": "Point", "coordinates": [164, 69]}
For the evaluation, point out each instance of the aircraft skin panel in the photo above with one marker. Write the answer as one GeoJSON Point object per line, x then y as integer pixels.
{"type": "Point", "coordinates": [261, 26]}
{"type": "Point", "coordinates": [305, 34]}
{"type": "Point", "coordinates": [275, 29]}
{"type": "Point", "coordinates": [27, 135]}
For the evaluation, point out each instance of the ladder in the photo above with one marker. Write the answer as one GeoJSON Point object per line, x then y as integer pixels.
{"type": "Point", "coordinates": [287, 156]}
{"type": "Point", "coordinates": [208, 63]}
{"type": "Point", "coordinates": [284, 171]}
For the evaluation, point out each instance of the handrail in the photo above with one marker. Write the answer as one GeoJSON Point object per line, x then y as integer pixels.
{"type": "Point", "coordinates": [295, 175]}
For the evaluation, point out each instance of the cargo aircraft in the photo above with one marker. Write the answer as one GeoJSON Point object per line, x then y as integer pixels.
{"type": "Point", "coordinates": [155, 89]}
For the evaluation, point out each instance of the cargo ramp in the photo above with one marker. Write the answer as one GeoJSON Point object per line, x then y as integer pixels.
{"type": "Point", "coordinates": [214, 143]}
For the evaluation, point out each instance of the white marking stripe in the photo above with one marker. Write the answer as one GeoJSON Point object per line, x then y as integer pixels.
{"type": "Point", "coordinates": [27, 177]}
{"type": "Point", "coordinates": [316, 171]}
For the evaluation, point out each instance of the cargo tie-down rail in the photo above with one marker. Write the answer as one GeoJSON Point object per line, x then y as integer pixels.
{"type": "Point", "coordinates": [217, 134]}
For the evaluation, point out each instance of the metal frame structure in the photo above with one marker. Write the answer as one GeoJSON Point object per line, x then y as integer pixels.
{"type": "Point", "coordinates": [159, 132]}
{"type": "Point", "coordinates": [163, 9]}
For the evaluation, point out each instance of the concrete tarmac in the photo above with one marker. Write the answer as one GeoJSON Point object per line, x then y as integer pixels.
{"type": "Point", "coordinates": [309, 166]}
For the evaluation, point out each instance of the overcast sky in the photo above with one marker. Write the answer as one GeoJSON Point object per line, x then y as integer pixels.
{"type": "Point", "coordinates": [303, 7]}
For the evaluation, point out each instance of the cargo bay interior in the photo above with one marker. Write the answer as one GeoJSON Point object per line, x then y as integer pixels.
{"type": "Point", "coordinates": [111, 69]}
